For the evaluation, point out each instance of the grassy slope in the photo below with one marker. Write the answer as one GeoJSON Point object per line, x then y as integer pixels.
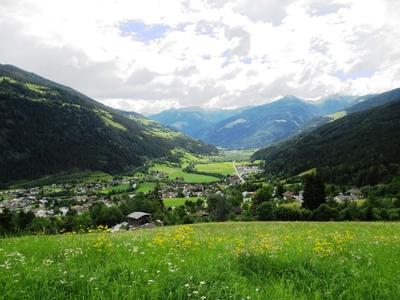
{"type": "Point", "coordinates": [227, 260]}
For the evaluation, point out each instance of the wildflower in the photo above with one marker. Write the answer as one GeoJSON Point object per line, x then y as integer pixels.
{"type": "Point", "coordinates": [202, 282]}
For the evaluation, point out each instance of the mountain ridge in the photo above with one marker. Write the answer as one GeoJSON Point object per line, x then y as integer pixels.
{"type": "Point", "coordinates": [47, 128]}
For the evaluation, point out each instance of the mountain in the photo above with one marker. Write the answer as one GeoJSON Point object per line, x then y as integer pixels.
{"type": "Point", "coordinates": [360, 148]}
{"type": "Point", "coordinates": [335, 103]}
{"type": "Point", "coordinates": [253, 127]}
{"type": "Point", "coordinates": [262, 125]}
{"type": "Point", "coordinates": [179, 139]}
{"type": "Point", "coordinates": [47, 128]}
{"type": "Point", "coordinates": [193, 121]}
{"type": "Point", "coordinates": [371, 101]}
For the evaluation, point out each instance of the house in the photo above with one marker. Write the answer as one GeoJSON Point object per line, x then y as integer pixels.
{"type": "Point", "coordinates": [288, 195]}
{"type": "Point", "coordinates": [138, 218]}
{"type": "Point", "coordinates": [355, 192]}
{"type": "Point", "coordinates": [343, 198]}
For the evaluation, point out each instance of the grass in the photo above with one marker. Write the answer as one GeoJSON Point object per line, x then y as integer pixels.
{"type": "Point", "coordinates": [337, 115]}
{"type": "Point", "coordinates": [312, 171]}
{"type": "Point", "coordinates": [174, 202]}
{"type": "Point", "coordinates": [174, 172]}
{"type": "Point", "coordinates": [277, 260]}
{"type": "Point", "coordinates": [145, 187]}
{"type": "Point", "coordinates": [223, 168]}
{"type": "Point", "coordinates": [231, 155]}
{"type": "Point", "coordinates": [88, 176]}
{"type": "Point", "coordinates": [120, 188]}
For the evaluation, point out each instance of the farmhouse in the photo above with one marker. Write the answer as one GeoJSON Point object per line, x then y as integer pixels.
{"type": "Point", "coordinates": [138, 218]}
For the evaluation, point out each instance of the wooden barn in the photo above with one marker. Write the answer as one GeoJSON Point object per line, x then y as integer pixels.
{"type": "Point", "coordinates": [138, 218]}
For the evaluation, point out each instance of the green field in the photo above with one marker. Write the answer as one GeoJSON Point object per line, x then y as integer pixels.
{"type": "Point", "coordinates": [174, 202]}
{"type": "Point", "coordinates": [276, 260]}
{"type": "Point", "coordinates": [173, 172]}
{"type": "Point", "coordinates": [145, 187]}
{"type": "Point", "coordinates": [231, 155]}
{"type": "Point", "coordinates": [117, 189]}
{"type": "Point", "coordinates": [223, 168]}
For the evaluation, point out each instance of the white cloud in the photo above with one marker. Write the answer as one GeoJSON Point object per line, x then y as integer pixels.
{"type": "Point", "coordinates": [153, 55]}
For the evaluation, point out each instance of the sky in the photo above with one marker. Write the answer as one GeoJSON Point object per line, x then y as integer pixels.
{"type": "Point", "coordinates": [152, 55]}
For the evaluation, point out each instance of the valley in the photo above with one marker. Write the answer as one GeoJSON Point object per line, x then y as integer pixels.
{"type": "Point", "coordinates": [200, 150]}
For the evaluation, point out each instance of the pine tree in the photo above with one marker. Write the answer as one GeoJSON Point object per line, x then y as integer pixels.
{"type": "Point", "coordinates": [279, 191]}
{"type": "Point", "coordinates": [314, 192]}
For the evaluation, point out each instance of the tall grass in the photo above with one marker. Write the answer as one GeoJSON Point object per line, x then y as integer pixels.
{"type": "Point", "coordinates": [280, 260]}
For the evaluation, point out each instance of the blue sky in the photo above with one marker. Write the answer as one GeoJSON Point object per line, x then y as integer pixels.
{"type": "Point", "coordinates": [142, 31]}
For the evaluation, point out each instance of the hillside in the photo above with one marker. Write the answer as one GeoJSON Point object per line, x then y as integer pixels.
{"type": "Point", "coordinates": [193, 121]}
{"type": "Point", "coordinates": [47, 128]}
{"type": "Point", "coordinates": [360, 148]}
{"type": "Point", "coordinates": [179, 139]}
{"type": "Point", "coordinates": [251, 260]}
{"type": "Point", "coordinates": [262, 125]}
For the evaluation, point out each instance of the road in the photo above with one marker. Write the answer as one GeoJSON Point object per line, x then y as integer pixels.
{"type": "Point", "coordinates": [237, 172]}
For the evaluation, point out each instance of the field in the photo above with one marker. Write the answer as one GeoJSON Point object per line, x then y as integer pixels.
{"type": "Point", "coordinates": [208, 261]}
{"type": "Point", "coordinates": [174, 172]}
{"type": "Point", "coordinates": [174, 202]}
{"type": "Point", "coordinates": [230, 155]}
{"type": "Point", "coordinates": [146, 187]}
{"type": "Point", "coordinates": [223, 168]}
{"type": "Point", "coordinates": [117, 189]}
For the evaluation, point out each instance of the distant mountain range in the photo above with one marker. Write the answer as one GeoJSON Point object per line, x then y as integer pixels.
{"type": "Point", "coordinates": [359, 148]}
{"type": "Point", "coordinates": [253, 127]}
{"type": "Point", "coordinates": [194, 121]}
{"type": "Point", "coordinates": [46, 128]}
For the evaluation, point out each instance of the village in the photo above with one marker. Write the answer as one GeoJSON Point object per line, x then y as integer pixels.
{"type": "Point", "coordinates": [60, 198]}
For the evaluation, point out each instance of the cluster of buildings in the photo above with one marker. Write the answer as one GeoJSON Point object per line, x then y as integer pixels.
{"type": "Point", "coordinates": [180, 189]}
{"type": "Point", "coordinates": [350, 195]}
{"type": "Point", "coordinates": [246, 171]}
{"type": "Point", "coordinates": [58, 199]}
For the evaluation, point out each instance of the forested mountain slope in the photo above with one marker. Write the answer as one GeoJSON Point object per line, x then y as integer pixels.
{"type": "Point", "coordinates": [361, 148]}
{"type": "Point", "coordinates": [46, 128]}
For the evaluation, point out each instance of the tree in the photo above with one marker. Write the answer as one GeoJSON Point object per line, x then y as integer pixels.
{"type": "Point", "coordinates": [219, 207]}
{"type": "Point", "coordinates": [279, 191]}
{"type": "Point", "coordinates": [262, 195]}
{"type": "Point", "coordinates": [325, 213]}
{"type": "Point", "coordinates": [265, 211]}
{"type": "Point", "coordinates": [6, 221]}
{"type": "Point", "coordinates": [314, 192]}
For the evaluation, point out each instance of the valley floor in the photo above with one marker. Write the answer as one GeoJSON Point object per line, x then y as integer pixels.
{"type": "Point", "coordinates": [269, 260]}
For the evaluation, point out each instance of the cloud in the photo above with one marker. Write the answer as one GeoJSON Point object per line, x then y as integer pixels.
{"type": "Point", "coordinates": [210, 53]}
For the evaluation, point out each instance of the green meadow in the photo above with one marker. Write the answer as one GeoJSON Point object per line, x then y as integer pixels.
{"type": "Point", "coordinates": [146, 187]}
{"type": "Point", "coordinates": [223, 168]}
{"type": "Point", "coordinates": [120, 188]}
{"type": "Point", "coordinates": [277, 260]}
{"type": "Point", "coordinates": [174, 202]}
{"type": "Point", "coordinates": [174, 172]}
